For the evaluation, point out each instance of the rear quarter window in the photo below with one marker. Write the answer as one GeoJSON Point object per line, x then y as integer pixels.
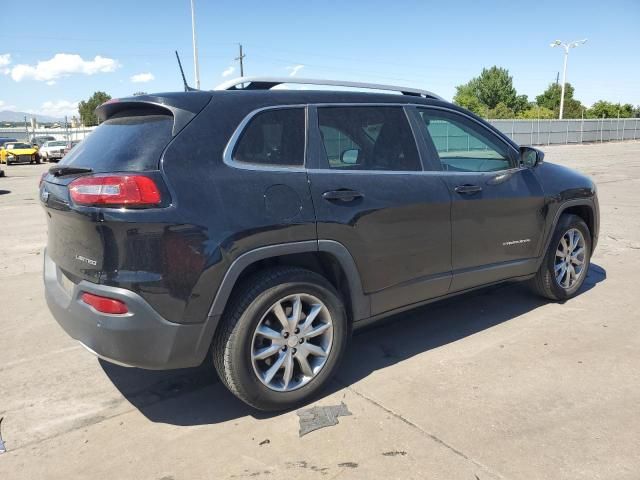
{"type": "Point", "coordinates": [128, 141]}
{"type": "Point", "coordinates": [273, 137]}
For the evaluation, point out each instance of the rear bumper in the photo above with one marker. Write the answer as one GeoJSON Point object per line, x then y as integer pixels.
{"type": "Point", "coordinates": [139, 338]}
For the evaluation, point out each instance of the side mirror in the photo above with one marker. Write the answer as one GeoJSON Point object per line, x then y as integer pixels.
{"type": "Point", "coordinates": [530, 157]}
{"type": "Point", "coordinates": [350, 157]}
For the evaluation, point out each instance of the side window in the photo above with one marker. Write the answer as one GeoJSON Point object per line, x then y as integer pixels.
{"type": "Point", "coordinates": [368, 138]}
{"type": "Point", "coordinates": [273, 137]}
{"type": "Point", "coordinates": [335, 143]}
{"type": "Point", "coordinates": [461, 146]}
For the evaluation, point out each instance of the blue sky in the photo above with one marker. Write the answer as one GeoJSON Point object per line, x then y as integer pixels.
{"type": "Point", "coordinates": [87, 45]}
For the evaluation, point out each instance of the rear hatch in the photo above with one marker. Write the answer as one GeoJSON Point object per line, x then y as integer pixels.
{"type": "Point", "coordinates": [115, 170]}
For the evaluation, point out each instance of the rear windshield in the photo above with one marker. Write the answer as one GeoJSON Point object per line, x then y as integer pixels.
{"type": "Point", "coordinates": [129, 141]}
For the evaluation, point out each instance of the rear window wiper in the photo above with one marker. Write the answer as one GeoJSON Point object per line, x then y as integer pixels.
{"type": "Point", "coordinates": [60, 170]}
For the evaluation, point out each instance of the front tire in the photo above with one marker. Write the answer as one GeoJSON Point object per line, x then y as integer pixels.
{"type": "Point", "coordinates": [281, 338]}
{"type": "Point", "coordinates": [566, 263]}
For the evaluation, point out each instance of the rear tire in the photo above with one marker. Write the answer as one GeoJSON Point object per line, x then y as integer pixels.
{"type": "Point", "coordinates": [565, 265]}
{"type": "Point", "coordinates": [292, 362]}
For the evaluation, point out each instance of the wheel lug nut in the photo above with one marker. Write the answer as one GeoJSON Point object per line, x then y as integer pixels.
{"type": "Point", "coordinates": [302, 340]}
{"type": "Point", "coordinates": [284, 349]}
{"type": "Point", "coordinates": [294, 351]}
{"type": "Point", "coordinates": [285, 334]}
{"type": "Point", "coordinates": [297, 331]}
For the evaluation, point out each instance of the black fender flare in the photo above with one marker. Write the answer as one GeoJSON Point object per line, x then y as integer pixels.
{"type": "Point", "coordinates": [583, 202]}
{"type": "Point", "coordinates": [360, 304]}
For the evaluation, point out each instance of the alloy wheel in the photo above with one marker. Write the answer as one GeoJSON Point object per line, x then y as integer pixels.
{"type": "Point", "coordinates": [570, 258]}
{"type": "Point", "coordinates": [292, 342]}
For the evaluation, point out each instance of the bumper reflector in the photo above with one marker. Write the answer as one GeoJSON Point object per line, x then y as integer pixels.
{"type": "Point", "coordinates": [104, 304]}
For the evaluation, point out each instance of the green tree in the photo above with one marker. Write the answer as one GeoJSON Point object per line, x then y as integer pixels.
{"type": "Point", "coordinates": [550, 99]}
{"type": "Point", "coordinates": [501, 111]}
{"type": "Point", "coordinates": [87, 109]}
{"type": "Point", "coordinates": [538, 112]}
{"type": "Point", "coordinates": [572, 109]}
{"type": "Point", "coordinates": [522, 103]}
{"type": "Point", "coordinates": [627, 111]}
{"type": "Point", "coordinates": [610, 110]}
{"type": "Point", "coordinates": [466, 97]}
{"type": "Point", "coordinates": [484, 93]}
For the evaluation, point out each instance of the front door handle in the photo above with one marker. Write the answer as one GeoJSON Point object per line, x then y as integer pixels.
{"type": "Point", "coordinates": [342, 195]}
{"type": "Point", "coordinates": [468, 189]}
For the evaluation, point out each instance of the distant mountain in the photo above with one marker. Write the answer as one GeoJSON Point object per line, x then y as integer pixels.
{"type": "Point", "coordinates": [9, 116]}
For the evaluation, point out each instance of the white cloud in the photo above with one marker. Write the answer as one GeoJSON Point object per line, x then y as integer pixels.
{"type": "Point", "coordinates": [51, 82]}
{"type": "Point", "coordinates": [59, 108]}
{"type": "Point", "coordinates": [228, 71]}
{"type": "Point", "coordinates": [61, 65]}
{"type": "Point", "coordinates": [4, 106]}
{"type": "Point", "coordinates": [142, 77]}
{"type": "Point", "coordinates": [293, 71]}
{"type": "Point", "coordinates": [5, 59]}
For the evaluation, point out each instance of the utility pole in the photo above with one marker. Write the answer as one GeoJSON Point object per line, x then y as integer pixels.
{"type": "Point", "coordinates": [557, 78]}
{"type": "Point", "coordinates": [566, 47]}
{"type": "Point", "coordinates": [241, 58]}
{"type": "Point", "coordinates": [196, 66]}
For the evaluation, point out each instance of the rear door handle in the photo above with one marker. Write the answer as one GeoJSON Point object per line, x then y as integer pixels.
{"type": "Point", "coordinates": [468, 189]}
{"type": "Point", "coordinates": [342, 195]}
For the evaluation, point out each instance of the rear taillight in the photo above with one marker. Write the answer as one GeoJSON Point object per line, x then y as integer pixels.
{"type": "Point", "coordinates": [115, 190]}
{"type": "Point", "coordinates": [104, 304]}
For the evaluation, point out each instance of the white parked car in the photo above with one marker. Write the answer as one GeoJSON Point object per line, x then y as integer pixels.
{"type": "Point", "coordinates": [53, 150]}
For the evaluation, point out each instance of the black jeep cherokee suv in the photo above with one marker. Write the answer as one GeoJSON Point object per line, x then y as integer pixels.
{"type": "Point", "coordinates": [257, 227]}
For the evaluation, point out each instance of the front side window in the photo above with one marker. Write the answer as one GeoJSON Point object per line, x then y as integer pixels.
{"type": "Point", "coordinates": [368, 138]}
{"type": "Point", "coordinates": [460, 146]}
{"type": "Point", "coordinates": [273, 137]}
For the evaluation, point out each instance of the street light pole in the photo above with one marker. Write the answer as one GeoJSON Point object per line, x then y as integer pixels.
{"type": "Point", "coordinates": [196, 66]}
{"type": "Point", "coordinates": [566, 47]}
{"type": "Point", "coordinates": [564, 79]}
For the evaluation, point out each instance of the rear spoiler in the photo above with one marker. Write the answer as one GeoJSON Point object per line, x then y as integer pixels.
{"type": "Point", "coordinates": [182, 106]}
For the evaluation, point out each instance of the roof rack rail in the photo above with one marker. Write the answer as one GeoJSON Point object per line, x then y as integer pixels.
{"type": "Point", "coordinates": [266, 83]}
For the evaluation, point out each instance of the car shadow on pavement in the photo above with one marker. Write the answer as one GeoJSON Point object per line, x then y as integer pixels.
{"type": "Point", "coordinates": [195, 396]}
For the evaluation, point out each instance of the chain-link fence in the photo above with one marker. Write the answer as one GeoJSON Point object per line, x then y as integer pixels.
{"type": "Point", "coordinates": [27, 134]}
{"type": "Point", "coordinates": [549, 132]}
{"type": "Point", "coordinates": [523, 132]}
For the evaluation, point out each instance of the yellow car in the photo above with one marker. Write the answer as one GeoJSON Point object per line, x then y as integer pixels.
{"type": "Point", "coordinates": [18, 152]}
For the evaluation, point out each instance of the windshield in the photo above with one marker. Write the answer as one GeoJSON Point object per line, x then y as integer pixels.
{"type": "Point", "coordinates": [13, 146]}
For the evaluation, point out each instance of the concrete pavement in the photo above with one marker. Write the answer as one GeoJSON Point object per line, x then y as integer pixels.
{"type": "Point", "coordinates": [495, 384]}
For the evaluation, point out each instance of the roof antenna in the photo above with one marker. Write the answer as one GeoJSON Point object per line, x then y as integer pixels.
{"type": "Point", "coordinates": [187, 88]}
